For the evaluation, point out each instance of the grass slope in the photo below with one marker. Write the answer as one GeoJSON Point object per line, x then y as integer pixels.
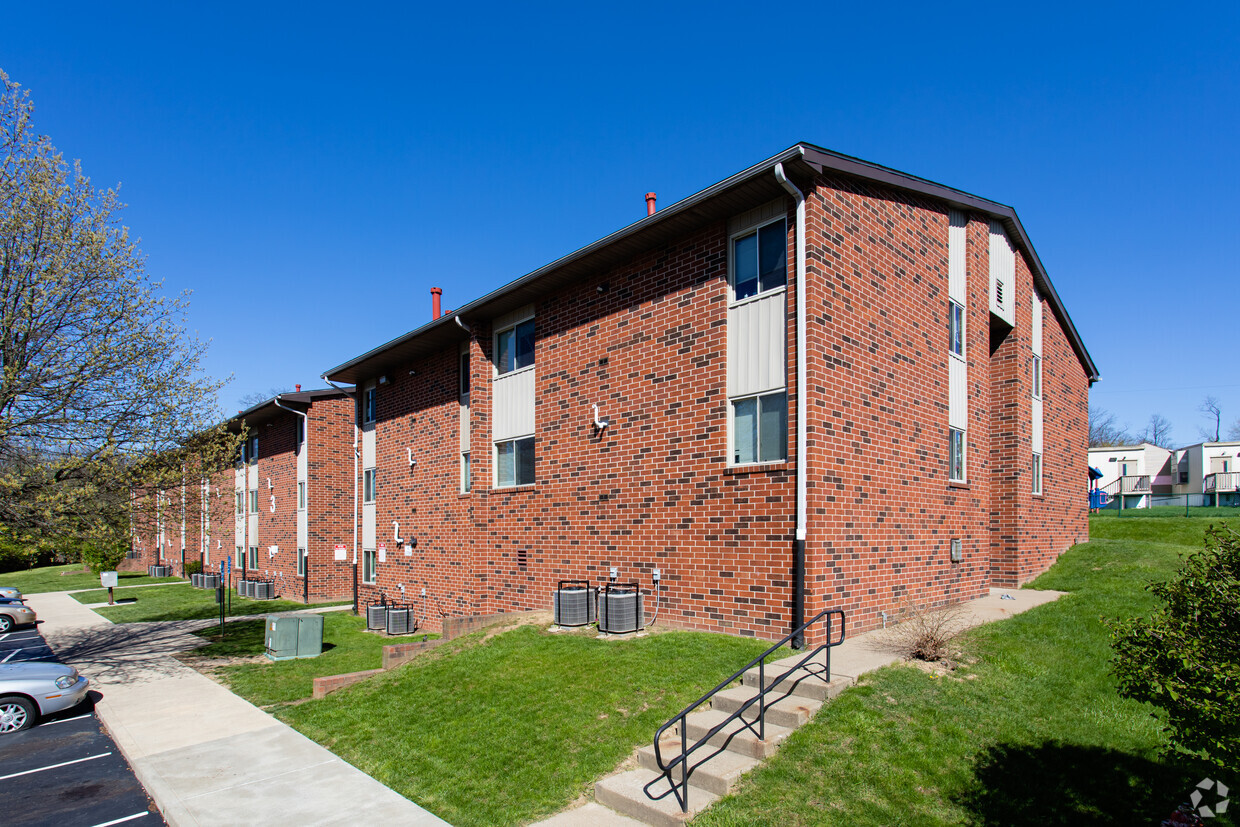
{"type": "Point", "coordinates": [515, 728]}
{"type": "Point", "coordinates": [1033, 733]}
{"type": "Point", "coordinates": [347, 647]}
{"type": "Point", "coordinates": [65, 578]}
{"type": "Point", "coordinates": [178, 603]}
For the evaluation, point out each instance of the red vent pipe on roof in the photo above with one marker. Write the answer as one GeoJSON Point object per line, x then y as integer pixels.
{"type": "Point", "coordinates": [436, 292]}
{"type": "Point", "coordinates": [298, 388]}
{"type": "Point", "coordinates": [650, 203]}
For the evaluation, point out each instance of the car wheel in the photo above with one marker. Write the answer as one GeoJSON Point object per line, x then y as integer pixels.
{"type": "Point", "coordinates": [6, 623]}
{"type": "Point", "coordinates": [16, 714]}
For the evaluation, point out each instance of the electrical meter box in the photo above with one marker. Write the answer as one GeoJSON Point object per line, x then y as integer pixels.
{"type": "Point", "coordinates": [293, 636]}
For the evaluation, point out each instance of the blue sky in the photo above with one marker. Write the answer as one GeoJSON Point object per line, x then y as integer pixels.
{"type": "Point", "coordinates": [310, 171]}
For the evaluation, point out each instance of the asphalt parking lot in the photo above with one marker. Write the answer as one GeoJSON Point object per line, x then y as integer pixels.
{"type": "Point", "coordinates": [66, 770]}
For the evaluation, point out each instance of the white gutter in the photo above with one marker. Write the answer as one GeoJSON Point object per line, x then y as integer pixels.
{"type": "Point", "coordinates": [801, 383]}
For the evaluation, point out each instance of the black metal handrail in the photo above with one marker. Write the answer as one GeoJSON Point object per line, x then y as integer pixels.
{"type": "Point", "coordinates": [681, 789]}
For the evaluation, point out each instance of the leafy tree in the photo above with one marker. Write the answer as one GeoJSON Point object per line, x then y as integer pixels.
{"type": "Point", "coordinates": [101, 391]}
{"type": "Point", "coordinates": [1185, 659]}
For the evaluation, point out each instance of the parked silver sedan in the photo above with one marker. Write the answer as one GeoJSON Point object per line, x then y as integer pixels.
{"type": "Point", "coordinates": [15, 614]}
{"type": "Point", "coordinates": [29, 689]}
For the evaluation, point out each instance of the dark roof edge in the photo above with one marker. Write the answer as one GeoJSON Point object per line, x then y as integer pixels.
{"type": "Point", "coordinates": [820, 159]}
{"type": "Point", "coordinates": [303, 397]}
{"type": "Point", "coordinates": [680, 206]}
{"type": "Point", "coordinates": [848, 165]}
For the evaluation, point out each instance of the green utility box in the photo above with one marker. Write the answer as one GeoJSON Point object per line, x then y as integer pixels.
{"type": "Point", "coordinates": [293, 636]}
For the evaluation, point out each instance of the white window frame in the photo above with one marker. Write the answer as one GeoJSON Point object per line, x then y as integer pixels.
{"type": "Point", "coordinates": [370, 566]}
{"type": "Point", "coordinates": [1036, 375]}
{"type": "Point", "coordinates": [240, 508]}
{"type": "Point", "coordinates": [253, 500]}
{"type": "Point", "coordinates": [466, 473]}
{"type": "Point", "coordinates": [300, 436]}
{"type": "Point", "coordinates": [1037, 472]}
{"type": "Point", "coordinates": [516, 464]}
{"type": "Point", "coordinates": [253, 452]}
{"type": "Point", "coordinates": [370, 485]}
{"type": "Point", "coordinates": [253, 566]}
{"type": "Point", "coordinates": [732, 461]}
{"type": "Point", "coordinates": [512, 328]}
{"type": "Point", "coordinates": [370, 405]}
{"type": "Point", "coordinates": [951, 454]}
{"type": "Point", "coordinates": [239, 557]}
{"type": "Point", "coordinates": [954, 309]}
{"type": "Point", "coordinates": [301, 562]}
{"type": "Point", "coordinates": [301, 496]}
{"type": "Point", "coordinates": [755, 231]}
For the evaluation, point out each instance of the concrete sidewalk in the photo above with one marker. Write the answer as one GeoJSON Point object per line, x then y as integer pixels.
{"type": "Point", "coordinates": [205, 755]}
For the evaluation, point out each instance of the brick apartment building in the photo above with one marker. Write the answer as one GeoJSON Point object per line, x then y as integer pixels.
{"type": "Point", "coordinates": [818, 377]}
{"type": "Point", "coordinates": [279, 513]}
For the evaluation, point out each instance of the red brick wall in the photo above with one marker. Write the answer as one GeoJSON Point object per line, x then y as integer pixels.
{"type": "Point", "coordinates": [330, 497]}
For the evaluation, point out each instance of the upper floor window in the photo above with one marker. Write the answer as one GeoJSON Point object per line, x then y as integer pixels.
{"type": "Point", "coordinates": [464, 373]}
{"type": "Point", "coordinates": [1036, 370]}
{"type": "Point", "coordinates": [368, 405]}
{"type": "Point", "coordinates": [759, 260]}
{"type": "Point", "coordinates": [253, 500]}
{"type": "Point", "coordinates": [369, 485]}
{"type": "Point", "coordinates": [466, 480]}
{"type": "Point", "coordinates": [301, 496]}
{"type": "Point", "coordinates": [301, 430]}
{"type": "Point", "coordinates": [252, 454]}
{"type": "Point", "coordinates": [760, 429]}
{"type": "Point", "coordinates": [955, 324]}
{"type": "Point", "coordinates": [514, 347]}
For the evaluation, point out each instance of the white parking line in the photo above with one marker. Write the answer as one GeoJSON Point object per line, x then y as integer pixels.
{"type": "Point", "coordinates": [2, 637]}
{"type": "Point", "coordinates": [120, 820]}
{"type": "Point", "coordinates": [54, 766]}
{"type": "Point", "coordinates": [11, 654]}
{"type": "Point", "coordinates": [67, 720]}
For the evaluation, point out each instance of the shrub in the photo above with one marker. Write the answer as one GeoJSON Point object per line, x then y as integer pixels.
{"type": "Point", "coordinates": [1185, 659]}
{"type": "Point", "coordinates": [193, 567]}
{"type": "Point", "coordinates": [924, 633]}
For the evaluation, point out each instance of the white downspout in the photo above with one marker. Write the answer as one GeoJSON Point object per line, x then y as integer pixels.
{"type": "Point", "coordinates": [802, 459]}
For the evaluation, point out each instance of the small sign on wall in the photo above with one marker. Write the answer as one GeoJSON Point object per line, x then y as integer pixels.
{"type": "Point", "coordinates": [339, 553]}
{"type": "Point", "coordinates": [383, 552]}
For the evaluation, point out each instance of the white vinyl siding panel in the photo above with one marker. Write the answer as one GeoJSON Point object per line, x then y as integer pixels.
{"type": "Point", "coordinates": [239, 519]}
{"type": "Point", "coordinates": [757, 344]}
{"type": "Point", "coordinates": [251, 474]}
{"type": "Point", "coordinates": [369, 452]}
{"type": "Point", "coordinates": [464, 423]}
{"type": "Point", "coordinates": [1037, 426]}
{"type": "Point", "coordinates": [1002, 274]}
{"type": "Point", "coordinates": [958, 393]}
{"type": "Point", "coordinates": [956, 282]}
{"type": "Point", "coordinates": [303, 477]}
{"type": "Point", "coordinates": [758, 215]}
{"type": "Point", "coordinates": [513, 405]}
{"type": "Point", "coordinates": [1035, 332]}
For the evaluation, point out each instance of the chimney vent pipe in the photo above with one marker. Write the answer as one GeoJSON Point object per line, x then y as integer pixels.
{"type": "Point", "coordinates": [650, 203]}
{"type": "Point", "coordinates": [435, 310]}
{"type": "Point", "coordinates": [298, 388]}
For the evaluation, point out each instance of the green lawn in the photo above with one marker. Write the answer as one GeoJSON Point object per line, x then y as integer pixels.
{"type": "Point", "coordinates": [347, 647]}
{"type": "Point", "coordinates": [1033, 733]}
{"type": "Point", "coordinates": [64, 578]}
{"type": "Point", "coordinates": [515, 728]}
{"type": "Point", "coordinates": [178, 603]}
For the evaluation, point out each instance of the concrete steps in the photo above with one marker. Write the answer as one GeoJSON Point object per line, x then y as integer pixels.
{"type": "Point", "coordinates": [802, 681]}
{"type": "Point", "coordinates": [624, 794]}
{"type": "Point", "coordinates": [790, 711]}
{"type": "Point", "coordinates": [717, 775]}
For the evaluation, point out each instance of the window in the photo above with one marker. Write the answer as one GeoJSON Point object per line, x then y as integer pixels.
{"type": "Point", "coordinates": [253, 453]}
{"type": "Point", "coordinates": [368, 405]}
{"type": "Point", "coordinates": [1036, 370]}
{"type": "Point", "coordinates": [369, 485]}
{"type": "Point", "coordinates": [955, 325]}
{"type": "Point", "coordinates": [369, 575]}
{"type": "Point", "coordinates": [254, 557]}
{"type": "Point", "coordinates": [955, 455]}
{"type": "Point", "coordinates": [301, 496]}
{"type": "Point", "coordinates": [253, 500]}
{"type": "Point", "coordinates": [465, 372]}
{"type": "Point", "coordinates": [239, 559]}
{"type": "Point", "coordinates": [1037, 473]}
{"type": "Point", "coordinates": [956, 550]}
{"type": "Point", "coordinates": [514, 462]}
{"type": "Point", "coordinates": [466, 482]}
{"type": "Point", "coordinates": [760, 429]}
{"type": "Point", "coordinates": [759, 260]}
{"type": "Point", "coordinates": [301, 562]}
{"type": "Point", "coordinates": [301, 430]}
{"type": "Point", "coordinates": [240, 503]}
{"type": "Point", "coordinates": [514, 348]}
{"type": "Point", "coordinates": [1183, 478]}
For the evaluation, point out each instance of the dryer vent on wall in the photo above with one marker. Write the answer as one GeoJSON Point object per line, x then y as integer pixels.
{"type": "Point", "coordinates": [620, 608]}
{"type": "Point", "coordinates": [573, 603]}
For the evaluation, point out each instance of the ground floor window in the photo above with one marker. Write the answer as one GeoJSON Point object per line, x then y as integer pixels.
{"type": "Point", "coordinates": [369, 573]}
{"type": "Point", "coordinates": [514, 462]}
{"type": "Point", "coordinates": [465, 478]}
{"type": "Point", "coordinates": [301, 562]}
{"type": "Point", "coordinates": [760, 429]}
{"type": "Point", "coordinates": [1037, 473]}
{"type": "Point", "coordinates": [253, 557]}
{"type": "Point", "coordinates": [239, 560]}
{"type": "Point", "coordinates": [955, 455]}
